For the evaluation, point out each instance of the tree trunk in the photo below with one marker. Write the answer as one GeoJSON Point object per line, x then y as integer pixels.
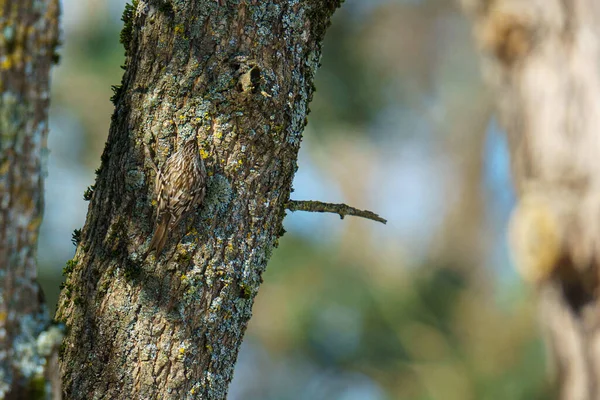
{"type": "Point", "coordinates": [542, 59]}
{"type": "Point", "coordinates": [239, 76]}
{"type": "Point", "coordinates": [28, 37]}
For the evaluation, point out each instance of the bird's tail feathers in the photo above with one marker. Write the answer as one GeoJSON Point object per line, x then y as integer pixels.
{"type": "Point", "coordinates": [160, 236]}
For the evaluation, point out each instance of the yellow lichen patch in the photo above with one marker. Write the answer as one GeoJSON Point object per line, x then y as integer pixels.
{"type": "Point", "coordinates": [25, 201]}
{"type": "Point", "coordinates": [3, 316]}
{"type": "Point", "coordinates": [6, 63]}
{"type": "Point", "coordinates": [203, 153]}
{"type": "Point", "coordinates": [4, 167]}
{"type": "Point", "coordinates": [182, 253]}
{"type": "Point", "coordinates": [535, 239]}
{"type": "Point", "coordinates": [35, 224]}
{"type": "Point", "coordinates": [229, 249]}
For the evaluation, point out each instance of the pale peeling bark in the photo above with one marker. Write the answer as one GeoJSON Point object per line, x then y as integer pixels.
{"type": "Point", "coordinates": [28, 37]}
{"type": "Point", "coordinates": [239, 76]}
{"type": "Point", "coordinates": [542, 58]}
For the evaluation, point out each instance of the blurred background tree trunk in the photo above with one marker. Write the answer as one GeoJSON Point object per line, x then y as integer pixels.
{"type": "Point", "coordinates": [542, 60]}
{"type": "Point", "coordinates": [239, 76]}
{"type": "Point", "coordinates": [29, 36]}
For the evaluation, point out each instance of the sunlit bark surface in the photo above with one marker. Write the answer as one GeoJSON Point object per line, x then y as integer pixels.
{"type": "Point", "coordinates": [238, 76]}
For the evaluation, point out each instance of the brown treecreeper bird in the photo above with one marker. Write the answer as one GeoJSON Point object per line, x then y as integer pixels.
{"type": "Point", "coordinates": [179, 187]}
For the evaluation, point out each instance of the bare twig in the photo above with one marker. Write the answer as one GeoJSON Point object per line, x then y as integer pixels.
{"type": "Point", "coordinates": [341, 209]}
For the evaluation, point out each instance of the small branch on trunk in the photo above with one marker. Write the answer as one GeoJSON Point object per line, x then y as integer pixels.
{"type": "Point", "coordinates": [341, 209]}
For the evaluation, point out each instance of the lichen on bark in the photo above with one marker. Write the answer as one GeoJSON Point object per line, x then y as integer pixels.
{"type": "Point", "coordinates": [28, 37]}
{"type": "Point", "coordinates": [239, 77]}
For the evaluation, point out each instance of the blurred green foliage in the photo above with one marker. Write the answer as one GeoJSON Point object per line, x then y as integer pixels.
{"type": "Point", "coordinates": [431, 336]}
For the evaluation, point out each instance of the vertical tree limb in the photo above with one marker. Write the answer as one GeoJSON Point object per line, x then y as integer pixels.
{"type": "Point", "coordinates": [542, 60]}
{"type": "Point", "coordinates": [239, 76]}
{"type": "Point", "coordinates": [28, 37]}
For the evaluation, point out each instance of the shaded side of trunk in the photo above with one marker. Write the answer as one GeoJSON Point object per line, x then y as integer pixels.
{"type": "Point", "coordinates": [239, 76]}
{"type": "Point", "coordinates": [542, 60]}
{"type": "Point", "coordinates": [28, 37]}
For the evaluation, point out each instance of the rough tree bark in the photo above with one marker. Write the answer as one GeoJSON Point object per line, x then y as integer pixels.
{"type": "Point", "coordinates": [542, 59]}
{"type": "Point", "coordinates": [239, 75]}
{"type": "Point", "coordinates": [28, 37]}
